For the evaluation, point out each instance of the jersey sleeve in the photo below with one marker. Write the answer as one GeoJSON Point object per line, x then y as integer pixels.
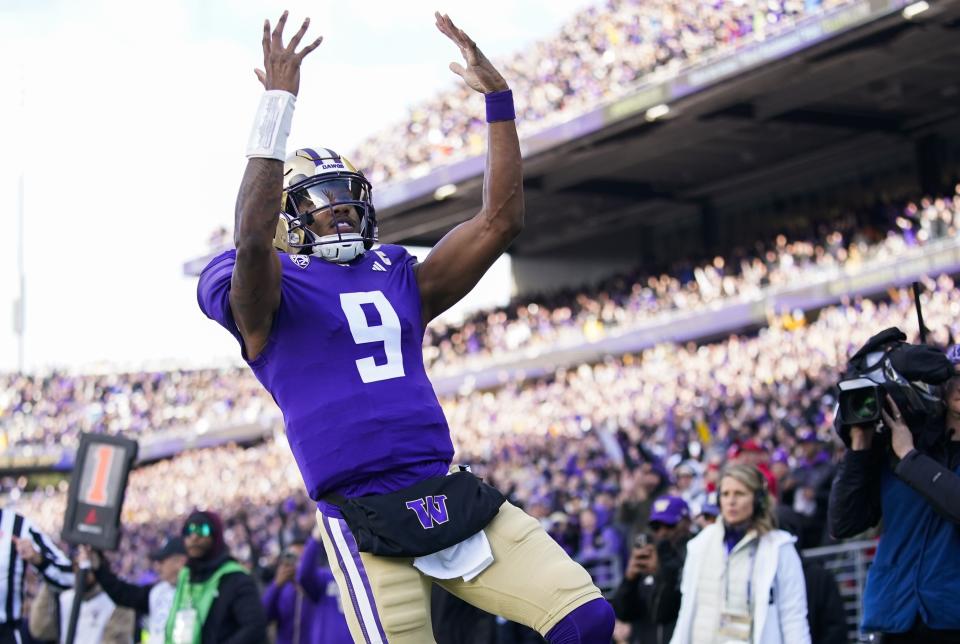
{"type": "Point", "coordinates": [396, 255]}
{"type": "Point", "coordinates": [404, 258]}
{"type": "Point", "coordinates": [213, 292]}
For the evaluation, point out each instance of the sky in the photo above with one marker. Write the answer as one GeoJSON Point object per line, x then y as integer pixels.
{"type": "Point", "coordinates": [128, 120]}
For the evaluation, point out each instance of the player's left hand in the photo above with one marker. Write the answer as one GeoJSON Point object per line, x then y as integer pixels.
{"type": "Point", "coordinates": [480, 74]}
{"type": "Point", "coordinates": [901, 438]}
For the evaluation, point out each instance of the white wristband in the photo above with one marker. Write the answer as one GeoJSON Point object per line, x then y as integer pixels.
{"type": "Point", "coordinates": [271, 127]}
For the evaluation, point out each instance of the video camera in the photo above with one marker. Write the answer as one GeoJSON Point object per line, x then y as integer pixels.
{"type": "Point", "coordinates": [888, 365]}
{"type": "Point", "coordinates": [911, 374]}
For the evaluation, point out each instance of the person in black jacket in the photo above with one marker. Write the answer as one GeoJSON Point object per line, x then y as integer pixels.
{"type": "Point", "coordinates": [909, 477]}
{"type": "Point", "coordinates": [216, 600]}
{"type": "Point", "coordinates": [153, 600]}
{"type": "Point", "coordinates": [649, 595]}
{"type": "Point", "coordinates": [825, 613]}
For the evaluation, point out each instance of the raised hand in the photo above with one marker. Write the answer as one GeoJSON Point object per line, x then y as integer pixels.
{"type": "Point", "coordinates": [281, 64]}
{"type": "Point", "coordinates": [480, 74]}
{"type": "Point", "coordinates": [86, 554]}
{"type": "Point", "coordinates": [27, 551]}
{"type": "Point", "coordinates": [901, 439]}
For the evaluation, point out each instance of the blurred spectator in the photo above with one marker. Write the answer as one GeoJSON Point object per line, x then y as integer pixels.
{"type": "Point", "coordinates": [99, 620]}
{"type": "Point", "coordinates": [599, 550]}
{"type": "Point", "coordinates": [328, 625]}
{"type": "Point", "coordinates": [742, 580]}
{"type": "Point", "coordinates": [640, 490]}
{"type": "Point", "coordinates": [753, 453]}
{"type": "Point", "coordinates": [708, 513]}
{"type": "Point", "coordinates": [649, 595]}
{"type": "Point", "coordinates": [215, 599]}
{"type": "Point", "coordinates": [285, 601]}
{"type": "Point", "coordinates": [811, 480]}
{"type": "Point", "coordinates": [689, 486]}
{"type": "Point", "coordinates": [151, 600]}
{"type": "Point", "coordinates": [825, 610]}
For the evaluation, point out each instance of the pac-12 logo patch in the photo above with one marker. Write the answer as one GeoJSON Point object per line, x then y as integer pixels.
{"type": "Point", "coordinates": [300, 260]}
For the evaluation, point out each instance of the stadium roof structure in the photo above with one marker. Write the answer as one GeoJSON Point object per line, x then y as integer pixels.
{"type": "Point", "coordinates": [866, 89]}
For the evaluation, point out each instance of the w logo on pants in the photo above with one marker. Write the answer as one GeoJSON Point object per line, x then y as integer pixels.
{"type": "Point", "coordinates": [431, 510]}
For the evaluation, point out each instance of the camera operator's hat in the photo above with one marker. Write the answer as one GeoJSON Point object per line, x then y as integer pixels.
{"type": "Point", "coordinates": [669, 510]}
{"type": "Point", "coordinates": [172, 546]}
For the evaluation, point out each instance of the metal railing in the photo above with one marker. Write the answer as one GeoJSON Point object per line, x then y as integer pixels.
{"type": "Point", "coordinates": [848, 562]}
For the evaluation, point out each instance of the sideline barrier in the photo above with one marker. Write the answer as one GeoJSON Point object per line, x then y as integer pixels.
{"type": "Point", "coordinates": [849, 563]}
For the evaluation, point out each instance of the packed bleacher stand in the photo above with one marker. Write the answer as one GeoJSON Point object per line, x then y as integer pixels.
{"type": "Point", "coordinates": [52, 409]}
{"type": "Point", "coordinates": [629, 301]}
{"type": "Point", "coordinates": [590, 446]}
{"type": "Point", "coordinates": [602, 53]}
{"type": "Point", "coordinates": [587, 449]}
{"type": "Point", "coordinates": [602, 437]}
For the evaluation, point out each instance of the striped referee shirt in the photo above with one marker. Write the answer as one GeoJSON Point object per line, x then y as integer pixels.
{"type": "Point", "coordinates": [55, 568]}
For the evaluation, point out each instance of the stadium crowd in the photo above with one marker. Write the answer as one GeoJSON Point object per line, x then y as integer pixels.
{"type": "Point", "coordinates": [625, 302]}
{"type": "Point", "coordinates": [589, 446]}
{"type": "Point", "coordinates": [602, 53]}
{"type": "Point", "coordinates": [52, 409]}
{"type": "Point", "coordinates": [589, 449]}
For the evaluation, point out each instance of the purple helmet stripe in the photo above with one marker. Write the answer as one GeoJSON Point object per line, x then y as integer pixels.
{"type": "Point", "coordinates": [333, 155]}
{"type": "Point", "coordinates": [316, 158]}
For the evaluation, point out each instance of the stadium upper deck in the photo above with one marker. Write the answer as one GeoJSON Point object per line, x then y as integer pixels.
{"type": "Point", "coordinates": [855, 98]}
{"type": "Point", "coordinates": [828, 103]}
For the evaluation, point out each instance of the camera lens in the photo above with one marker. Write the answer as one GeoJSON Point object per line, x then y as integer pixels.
{"type": "Point", "coordinates": [860, 404]}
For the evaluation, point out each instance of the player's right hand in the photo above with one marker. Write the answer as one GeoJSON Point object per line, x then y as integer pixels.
{"type": "Point", "coordinates": [281, 64]}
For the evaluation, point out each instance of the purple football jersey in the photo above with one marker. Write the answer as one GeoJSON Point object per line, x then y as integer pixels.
{"type": "Point", "coordinates": [344, 362]}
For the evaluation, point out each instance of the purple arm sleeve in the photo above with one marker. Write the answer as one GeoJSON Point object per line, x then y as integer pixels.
{"type": "Point", "coordinates": [270, 597]}
{"type": "Point", "coordinates": [309, 575]}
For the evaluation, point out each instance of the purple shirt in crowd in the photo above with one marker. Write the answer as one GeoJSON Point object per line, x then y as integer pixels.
{"type": "Point", "coordinates": [344, 363]}
{"type": "Point", "coordinates": [329, 623]}
{"type": "Point", "coordinates": [293, 612]}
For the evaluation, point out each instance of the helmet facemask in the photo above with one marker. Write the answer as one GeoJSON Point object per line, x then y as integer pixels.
{"type": "Point", "coordinates": [308, 200]}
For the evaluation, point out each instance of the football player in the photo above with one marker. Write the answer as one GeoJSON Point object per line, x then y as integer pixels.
{"type": "Point", "coordinates": [332, 325]}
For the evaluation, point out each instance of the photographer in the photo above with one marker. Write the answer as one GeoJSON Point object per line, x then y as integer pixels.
{"type": "Point", "coordinates": [649, 595]}
{"type": "Point", "coordinates": [906, 471]}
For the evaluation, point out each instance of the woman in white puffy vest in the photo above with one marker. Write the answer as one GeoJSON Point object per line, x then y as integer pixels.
{"type": "Point", "coordinates": [742, 580]}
